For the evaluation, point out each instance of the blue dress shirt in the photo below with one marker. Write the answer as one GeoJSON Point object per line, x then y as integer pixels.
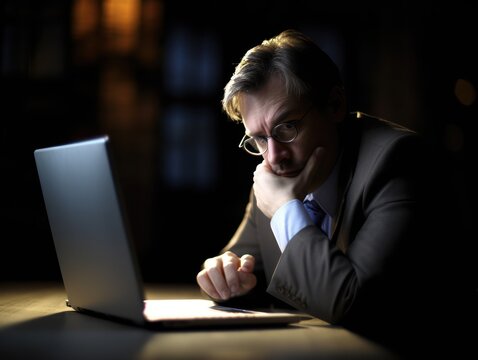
{"type": "Point", "coordinates": [292, 217]}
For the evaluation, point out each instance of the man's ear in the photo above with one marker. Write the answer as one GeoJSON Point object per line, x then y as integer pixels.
{"type": "Point", "coordinates": [337, 103]}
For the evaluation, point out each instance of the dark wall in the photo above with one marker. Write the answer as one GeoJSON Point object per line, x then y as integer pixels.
{"type": "Point", "coordinates": [152, 79]}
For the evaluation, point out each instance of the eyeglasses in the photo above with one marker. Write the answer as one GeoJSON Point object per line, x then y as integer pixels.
{"type": "Point", "coordinates": [284, 133]}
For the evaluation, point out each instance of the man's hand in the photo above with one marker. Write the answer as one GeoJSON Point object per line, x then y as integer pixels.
{"type": "Point", "coordinates": [227, 276]}
{"type": "Point", "coordinates": [272, 191]}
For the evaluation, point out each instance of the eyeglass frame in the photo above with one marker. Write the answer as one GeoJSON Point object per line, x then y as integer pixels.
{"type": "Point", "coordinates": [246, 137]}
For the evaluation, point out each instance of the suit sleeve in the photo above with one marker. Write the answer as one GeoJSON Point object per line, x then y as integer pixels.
{"type": "Point", "coordinates": [246, 240]}
{"type": "Point", "coordinates": [375, 268]}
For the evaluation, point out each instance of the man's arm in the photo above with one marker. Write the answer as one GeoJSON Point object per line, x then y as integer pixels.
{"type": "Point", "coordinates": [379, 231]}
{"type": "Point", "coordinates": [232, 272]}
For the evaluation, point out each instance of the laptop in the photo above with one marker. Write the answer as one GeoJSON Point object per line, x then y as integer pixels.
{"type": "Point", "coordinates": [97, 259]}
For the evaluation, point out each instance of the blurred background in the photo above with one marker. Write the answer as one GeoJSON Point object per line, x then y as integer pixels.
{"type": "Point", "coordinates": [150, 74]}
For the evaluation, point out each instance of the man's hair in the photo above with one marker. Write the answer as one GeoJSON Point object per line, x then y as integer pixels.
{"type": "Point", "coordinates": [306, 70]}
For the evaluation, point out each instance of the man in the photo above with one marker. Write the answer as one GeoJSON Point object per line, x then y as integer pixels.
{"type": "Point", "coordinates": [365, 256]}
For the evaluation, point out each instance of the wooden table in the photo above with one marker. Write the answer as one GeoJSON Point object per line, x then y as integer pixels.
{"type": "Point", "coordinates": [36, 324]}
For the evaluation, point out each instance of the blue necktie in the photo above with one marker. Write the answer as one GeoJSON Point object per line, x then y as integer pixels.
{"type": "Point", "coordinates": [315, 212]}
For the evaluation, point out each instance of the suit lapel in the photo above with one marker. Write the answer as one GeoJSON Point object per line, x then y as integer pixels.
{"type": "Point", "coordinates": [350, 146]}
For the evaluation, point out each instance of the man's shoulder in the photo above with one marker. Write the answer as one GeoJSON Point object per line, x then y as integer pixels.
{"type": "Point", "coordinates": [377, 126]}
{"type": "Point", "coordinates": [372, 133]}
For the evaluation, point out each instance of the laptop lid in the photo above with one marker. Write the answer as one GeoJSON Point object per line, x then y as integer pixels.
{"type": "Point", "coordinates": [89, 230]}
{"type": "Point", "coordinates": [96, 255]}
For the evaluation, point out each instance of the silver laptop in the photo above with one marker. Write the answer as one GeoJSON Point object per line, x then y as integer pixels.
{"type": "Point", "coordinates": [95, 251]}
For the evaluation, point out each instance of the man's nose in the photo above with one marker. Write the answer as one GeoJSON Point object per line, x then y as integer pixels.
{"type": "Point", "coordinates": [276, 151]}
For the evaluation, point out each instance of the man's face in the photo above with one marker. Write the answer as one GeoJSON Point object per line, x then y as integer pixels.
{"type": "Point", "coordinates": [262, 110]}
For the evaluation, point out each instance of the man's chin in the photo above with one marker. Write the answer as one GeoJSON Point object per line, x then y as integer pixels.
{"type": "Point", "coordinates": [288, 173]}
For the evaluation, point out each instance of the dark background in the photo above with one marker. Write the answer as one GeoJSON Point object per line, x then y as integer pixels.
{"type": "Point", "coordinates": [150, 74]}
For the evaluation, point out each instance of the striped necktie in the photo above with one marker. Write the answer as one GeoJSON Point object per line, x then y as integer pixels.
{"type": "Point", "coordinates": [315, 212]}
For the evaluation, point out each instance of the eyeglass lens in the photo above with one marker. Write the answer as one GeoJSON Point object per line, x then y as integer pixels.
{"type": "Point", "coordinates": [284, 133]}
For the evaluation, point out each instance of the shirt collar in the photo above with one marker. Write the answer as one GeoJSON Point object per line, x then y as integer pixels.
{"type": "Point", "coordinates": [326, 194]}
